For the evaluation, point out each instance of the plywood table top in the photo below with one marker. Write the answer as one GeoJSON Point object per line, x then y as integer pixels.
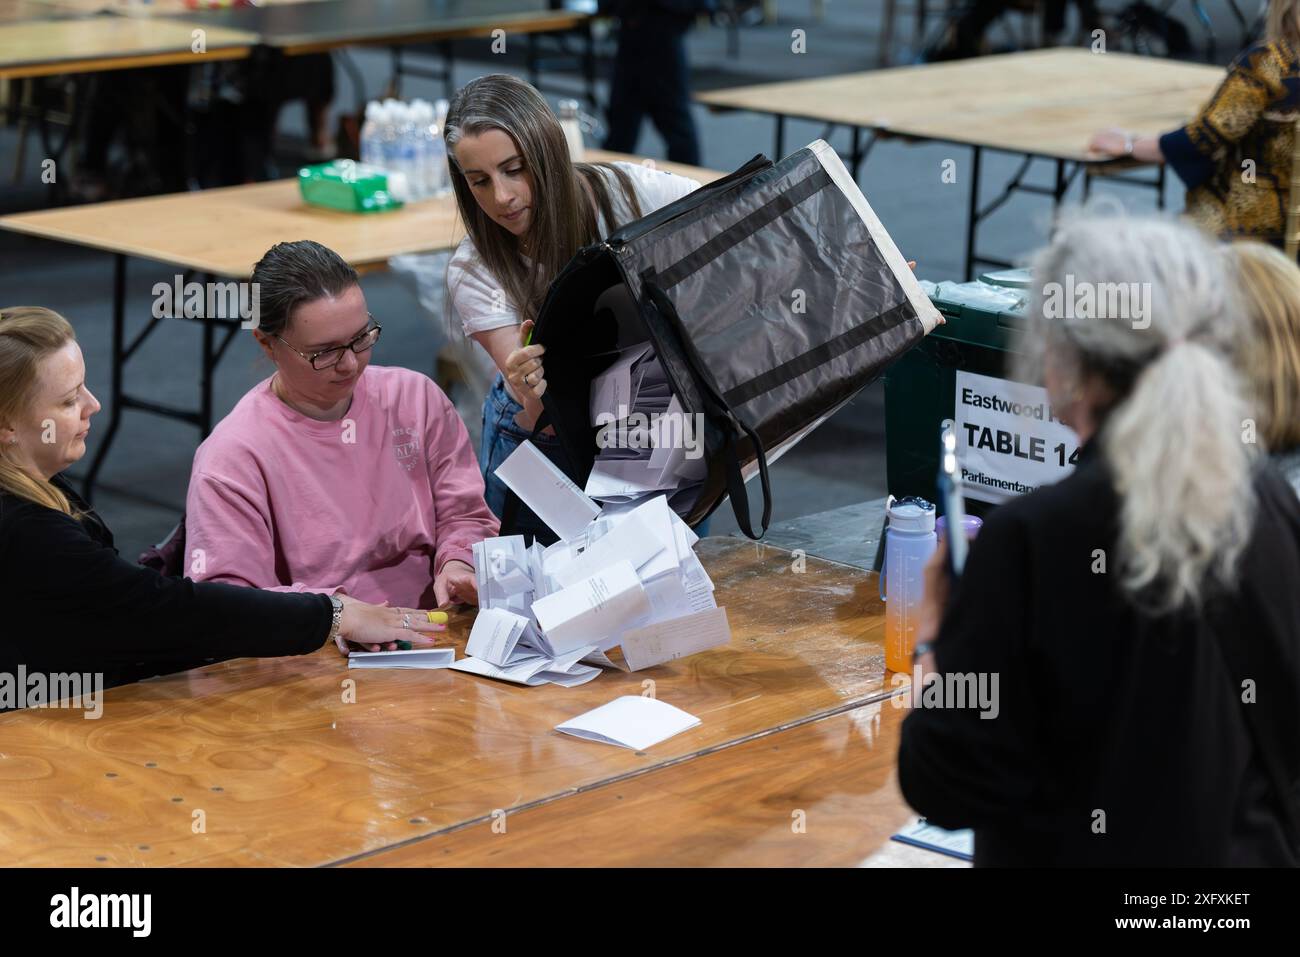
{"type": "Point", "coordinates": [824, 793]}
{"type": "Point", "coordinates": [92, 44]}
{"type": "Point", "coordinates": [1047, 102]}
{"type": "Point", "coordinates": [281, 770]}
{"type": "Point", "coordinates": [226, 231]}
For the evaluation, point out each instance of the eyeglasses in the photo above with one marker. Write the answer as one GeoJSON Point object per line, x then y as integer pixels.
{"type": "Point", "coordinates": [328, 358]}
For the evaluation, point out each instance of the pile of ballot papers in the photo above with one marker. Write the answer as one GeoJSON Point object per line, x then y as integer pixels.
{"type": "Point", "coordinates": [648, 444]}
{"type": "Point", "coordinates": [624, 577]}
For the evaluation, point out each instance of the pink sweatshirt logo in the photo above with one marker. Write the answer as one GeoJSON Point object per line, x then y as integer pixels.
{"type": "Point", "coordinates": [406, 443]}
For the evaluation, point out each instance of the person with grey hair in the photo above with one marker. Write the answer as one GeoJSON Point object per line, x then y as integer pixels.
{"type": "Point", "coordinates": [1139, 621]}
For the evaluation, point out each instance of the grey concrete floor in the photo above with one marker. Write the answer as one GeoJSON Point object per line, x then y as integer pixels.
{"type": "Point", "coordinates": [143, 483]}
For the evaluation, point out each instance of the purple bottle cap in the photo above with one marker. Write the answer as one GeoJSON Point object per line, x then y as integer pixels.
{"type": "Point", "coordinates": [971, 523]}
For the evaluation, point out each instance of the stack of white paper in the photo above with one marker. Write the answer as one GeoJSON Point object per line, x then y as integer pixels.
{"type": "Point", "coordinates": [626, 577]}
{"type": "Point", "coordinates": [508, 646]}
{"type": "Point", "coordinates": [647, 442]}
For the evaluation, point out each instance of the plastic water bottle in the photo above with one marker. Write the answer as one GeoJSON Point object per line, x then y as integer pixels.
{"type": "Point", "coordinates": [971, 524]}
{"type": "Point", "coordinates": [439, 176]}
{"type": "Point", "coordinates": [390, 152]}
{"type": "Point", "coordinates": [909, 542]}
{"type": "Point", "coordinates": [434, 151]}
{"type": "Point", "coordinates": [370, 147]}
{"type": "Point", "coordinates": [441, 158]}
{"type": "Point", "coordinates": [419, 149]}
{"type": "Point", "coordinates": [572, 126]}
{"type": "Point", "coordinates": [407, 158]}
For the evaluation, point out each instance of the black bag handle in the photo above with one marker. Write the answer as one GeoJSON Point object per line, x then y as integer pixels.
{"type": "Point", "coordinates": [716, 408]}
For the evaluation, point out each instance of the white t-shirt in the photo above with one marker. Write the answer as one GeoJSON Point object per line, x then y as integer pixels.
{"type": "Point", "coordinates": [478, 299]}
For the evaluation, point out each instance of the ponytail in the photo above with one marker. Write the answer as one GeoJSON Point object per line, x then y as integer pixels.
{"type": "Point", "coordinates": [1172, 429]}
{"type": "Point", "coordinates": [1182, 468]}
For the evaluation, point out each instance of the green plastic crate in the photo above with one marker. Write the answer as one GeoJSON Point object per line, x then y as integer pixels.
{"type": "Point", "coordinates": [919, 388]}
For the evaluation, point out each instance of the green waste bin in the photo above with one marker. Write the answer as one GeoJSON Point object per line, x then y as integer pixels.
{"type": "Point", "coordinates": [982, 317]}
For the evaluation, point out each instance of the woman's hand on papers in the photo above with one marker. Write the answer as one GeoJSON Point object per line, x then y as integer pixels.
{"type": "Point", "coordinates": [455, 584]}
{"type": "Point", "coordinates": [380, 627]}
{"type": "Point", "coordinates": [524, 366]}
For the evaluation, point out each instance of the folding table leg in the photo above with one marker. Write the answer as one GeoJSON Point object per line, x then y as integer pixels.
{"type": "Point", "coordinates": [972, 221]}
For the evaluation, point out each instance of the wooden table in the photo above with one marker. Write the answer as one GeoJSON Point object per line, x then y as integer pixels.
{"type": "Point", "coordinates": [222, 233]}
{"type": "Point", "coordinates": [419, 767]}
{"type": "Point", "coordinates": [32, 48]}
{"type": "Point", "coordinates": [821, 793]}
{"type": "Point", "coordinates": [1036, 104]}
{"type": "Point", "coordinates": [324, 25]}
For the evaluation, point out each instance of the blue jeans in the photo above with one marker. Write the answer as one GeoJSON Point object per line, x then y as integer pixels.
{"type": "Point", "coordinates": [501, 436]}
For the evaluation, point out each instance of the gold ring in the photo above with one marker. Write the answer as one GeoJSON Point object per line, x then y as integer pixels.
{"type": "Point", "coordinates": [437, 617]}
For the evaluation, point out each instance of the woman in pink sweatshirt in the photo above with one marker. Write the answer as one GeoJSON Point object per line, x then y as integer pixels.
{"type": "Point", "coordinates": [335, 474]}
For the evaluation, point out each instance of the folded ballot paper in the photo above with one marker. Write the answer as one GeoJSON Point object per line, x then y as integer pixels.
{"type": "Point", "coordinates": [632, 721]}
{"type": "Point", "coordinates": [410, 658]}
{"type": "Point", "coordinates": [625, 576]}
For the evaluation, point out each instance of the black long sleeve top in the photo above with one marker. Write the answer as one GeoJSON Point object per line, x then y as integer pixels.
{"type": "Point", "coordinates": [1120, 737]}
{"type": "Point", "coordinates": [70, 603]}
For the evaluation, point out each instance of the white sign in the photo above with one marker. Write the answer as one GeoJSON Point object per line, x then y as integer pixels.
{"type": "Point", "coordinates": [1008, 440]}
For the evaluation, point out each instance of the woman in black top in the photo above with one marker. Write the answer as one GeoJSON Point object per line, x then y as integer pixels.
{"type": "Point", "coordinates": [1142, 616]}
{"type": "Point", "coordinates": [70, 604]}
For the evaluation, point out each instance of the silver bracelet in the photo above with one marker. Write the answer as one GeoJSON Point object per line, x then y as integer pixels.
{"type": "Point", "coordinates": [336, 621]}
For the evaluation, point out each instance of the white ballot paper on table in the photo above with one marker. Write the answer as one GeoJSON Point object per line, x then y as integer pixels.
{"type": "Point", "coordinates": [547, 491]}
{"type": "Point", "coordinates": [675, 638]}
{"type": "Point", "coordinates": [415, 658]}
{"type": "Point", "coordinates": [631, 539]}
{"type": "Point", "coordinates": [594, 611]}
{"type": "Point", "coordinates": [501, 571]}
{"type": "Point", "coordinates": [631, 721]}
{"type": "Point", "coordinates": [495, 636]}
{"type": "Point", "coordinates": [525, 672]}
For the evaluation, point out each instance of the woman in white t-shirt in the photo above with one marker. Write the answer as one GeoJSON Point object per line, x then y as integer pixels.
{"type": "Point", "coordinates": [528, 208]}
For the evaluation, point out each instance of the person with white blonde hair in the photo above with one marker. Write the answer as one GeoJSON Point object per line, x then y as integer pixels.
{"type": "Point", "coordinates": [1269, 356]}
{"type": "Point", "coordinates": [1142, 615]}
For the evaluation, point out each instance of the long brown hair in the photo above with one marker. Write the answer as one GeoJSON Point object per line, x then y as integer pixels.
{"type": "Point", "coordinates": [1270, 355]}
{"type": "Point", "coordinates": [27, 335]}
{"type": "Point", "coordinates": [564, 214]}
